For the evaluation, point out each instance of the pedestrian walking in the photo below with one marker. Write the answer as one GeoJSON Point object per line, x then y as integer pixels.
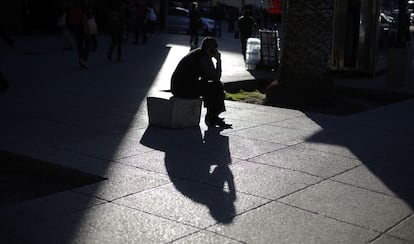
{"type": "Point", "coordinates": [92, 28]}
{"type": "Point", "coordinates": [141, 18]}
{"type": "Point", "coordinates": [152, 19]}
{"type": "Point", "coordinates": [194, 25]}
{"type": "Point", "coordinates": [115, 26]}
{"type": "Point", "coordinates": [61, 23]}
{"type": "Point", "coordinates": [246, 26]}
{"type": "Point", "coordinates": [129, 15]}
{"type": "Point", "coordinates": [219, 14]}
{"type": "Point", "coordinates": [77, 23]}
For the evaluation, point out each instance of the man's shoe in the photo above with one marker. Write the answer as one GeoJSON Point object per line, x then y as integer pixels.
{"type": "Point", "coordinates": [218, 122]}
{"type": "Point", "coordinates": [223, 125]}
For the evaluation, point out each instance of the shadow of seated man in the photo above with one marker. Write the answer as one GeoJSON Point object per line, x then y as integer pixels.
{"type": "Point", "coordinates": [201, 172]}
{"type": "Point", "coordinates": [198, 167]}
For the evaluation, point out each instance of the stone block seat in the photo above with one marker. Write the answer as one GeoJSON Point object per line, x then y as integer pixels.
{"type": "Point", "coordinates": [173, 112]}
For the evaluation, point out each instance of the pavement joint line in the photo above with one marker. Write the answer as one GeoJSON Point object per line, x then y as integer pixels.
{"type": "Point", "coordinates": [367, 189]}
{"type": "Point", "coordinates": [344, 171]}
{"type": "Point", "coordinates": [384, 233]}
{"type": "Point", "coordinates": [206, 229]}
{"type": "Point", "coordinates": [133, 193]}
{"type": "Point", "coordinates": [185, 236]}
{"type": "Point", "coordinates": [246, 211]}
{"type": "Point", "coordinates": [257, 139]}
{"type": "Point", "coordinates": [189, 180]}
{"type": "Point", "coordinates": [299, 190]}
{"type": "Point", "coordinates": [90, 195]}
{"type": "Point", "coordinates": [331, 153]}
{"type": "Point", "coordinates": [159, 216]}
{"type": "Point", "coordinates": [330, 217]}
{"type": "Point", "coordinates": [284, 168]}
{"type": "Point", "coordinates": [69, 212]}
{"type": "Point", "coordinates": [109, 161]}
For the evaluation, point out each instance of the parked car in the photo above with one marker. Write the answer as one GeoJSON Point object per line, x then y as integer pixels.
{"type": "Point", "coordinates": [178, 20]}
{"type": "Point", "coordinates": [411, 11]}
{"type": "Point", "coordinates": [387, 22]}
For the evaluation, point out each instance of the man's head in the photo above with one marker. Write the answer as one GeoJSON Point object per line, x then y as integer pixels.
{"type": "Point", "coordinates": [209, 44]}
{"type": "Point", "coordinates": [246, 12]}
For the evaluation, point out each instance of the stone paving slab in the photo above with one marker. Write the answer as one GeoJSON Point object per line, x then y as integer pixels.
{"type": "Point", "coordinates": [32, 212]}
{"type": "Point", "coordinates": [368, 143]}
{"type": "Point", "coordinates": [308, 161]}
{"type": "Point", "coordinates": [281, 135]}
{"type": "Point", "coordinates": [385, 239]}
{"type": "Point", "coordinates": [124, 184]}
{"type": "Point", "coordinates": [47, 132]}
{"type": "Point", "coordinates": [396, 117]}
{"type": "Point", "coordinates": [192, 203]}
{"type": "Point", "coordinates": [277, 222]}
{"type": "Point", "coordinates": [108, 147]}
{"type": "Point", "coordinates": [387, 180]}
{"type": "Point", "coordinates": [259, 116]}
{"type": "Point", "coordinates": [350, 204]}
{"type": "Point", "coordinates": [206, 237]}
{"type": "Point", "coordinates": [316, 123]}
{"type": "Point", "coordinates": [107, 223]}
{"type": "Point", "coordinates": [404, 230]}
{"type": "Point", "coordinates": [268, 181]}
{"type": "Point", "coordinates": [241, 147]}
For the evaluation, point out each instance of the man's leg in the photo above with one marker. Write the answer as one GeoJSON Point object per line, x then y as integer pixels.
{"type": "Point", "coordinates": [214, 103]}
{"type": "Point", "coordinates": [243, 43]}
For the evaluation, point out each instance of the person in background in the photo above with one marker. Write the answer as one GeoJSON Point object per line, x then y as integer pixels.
{"type": "Point", "coordinates": [246, 26]}
{"type": "Point", "coordinates": [194, 25]}
{"type": "Point", "coordinates": [115, 27]}
{"type": "Point", "coordinates": [92, 28]}
{"type": "Point", "coordinates": [219, 14]}
{"type": "Point", "coordinates": [128, 13]}
{"type": "Point", "coordinates": [141, 18]}
{"type": "Point", "coordinates": [77, 23]}
{"type": "Point", "coordinates": [152, 19]}
{"type": "Point", "coordinates": [196, 75]}
{"type": "Point", "coordinates": [62, 25]}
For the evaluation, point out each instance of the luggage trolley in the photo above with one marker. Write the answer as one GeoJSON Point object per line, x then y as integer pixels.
{"type": "Point", "coordinates": [270, 48]}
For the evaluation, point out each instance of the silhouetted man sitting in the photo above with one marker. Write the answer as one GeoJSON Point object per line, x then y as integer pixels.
{"type": "Point", "coordinates": [196, 75]}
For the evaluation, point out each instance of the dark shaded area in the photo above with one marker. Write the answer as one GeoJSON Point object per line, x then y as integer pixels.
{"type": "Point", "coordinates": [385, 153]}
{"type": "Point", "coordinates": [198, 166]}
{"type": "Point", "coordinates": [23, 178]}
{"type": "Point", "coordinates": [343, 102]}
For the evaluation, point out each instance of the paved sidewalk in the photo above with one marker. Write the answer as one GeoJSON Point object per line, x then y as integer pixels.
{"type": "Point", "coordinates": [279, 176]}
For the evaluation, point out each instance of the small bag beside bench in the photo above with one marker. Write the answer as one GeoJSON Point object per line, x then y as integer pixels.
{"type": "Point", "coordinates": [174, 112]}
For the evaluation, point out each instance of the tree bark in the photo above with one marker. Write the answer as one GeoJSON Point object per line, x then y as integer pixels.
{"type": "Point", "coordinates": [303, 75]}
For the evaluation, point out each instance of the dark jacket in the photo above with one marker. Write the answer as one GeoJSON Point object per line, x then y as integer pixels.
{"type": "Point", "coordinates": [192, 73]}
{"type": "Point", "coordinates": [246, 24]}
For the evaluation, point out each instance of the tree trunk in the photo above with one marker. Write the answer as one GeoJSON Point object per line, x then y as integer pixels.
{"type": "Point", "coordinates": [304, 75]}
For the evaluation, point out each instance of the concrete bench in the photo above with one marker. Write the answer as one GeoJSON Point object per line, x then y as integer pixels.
{"type": "Point", "coordinates": [174, 112]}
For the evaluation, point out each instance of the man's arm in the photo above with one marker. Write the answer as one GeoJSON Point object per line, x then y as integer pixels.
{"type": "Point", "coordinates": [211, 72]}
